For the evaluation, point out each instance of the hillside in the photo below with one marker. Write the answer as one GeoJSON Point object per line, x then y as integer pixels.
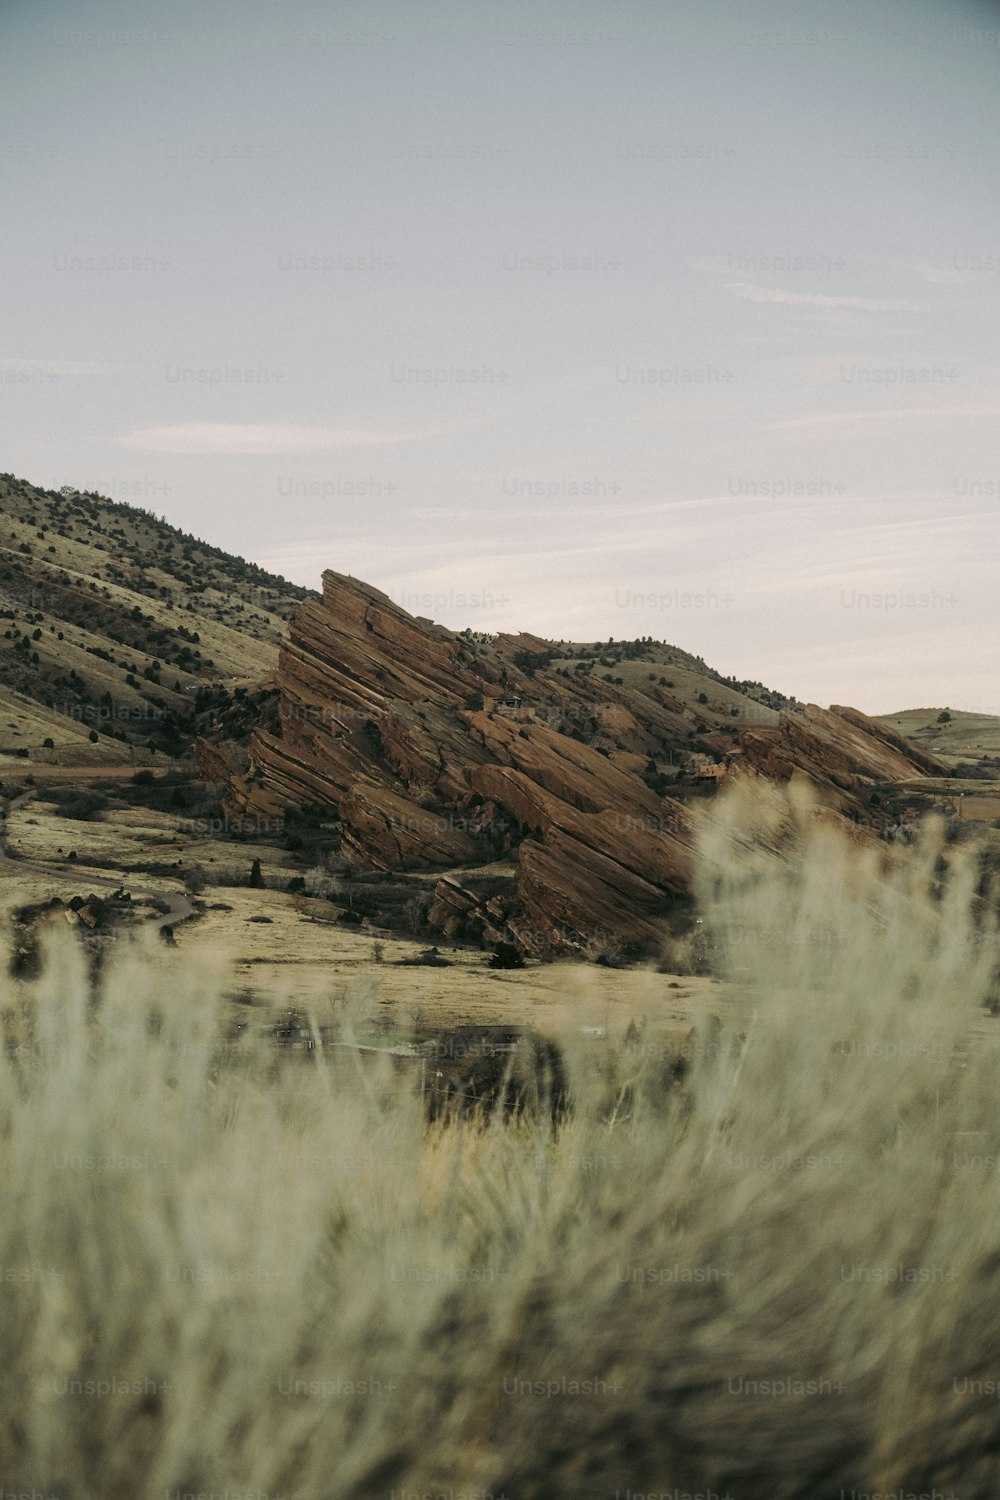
{"type": "Point", "coordinates": [116, 624]}
{"type": "Point", "coordinates": [540, 790]}
{"type": "Point", "coordinates": [955, 736]}
{"type": "Point", "coordinates": [573, 764]}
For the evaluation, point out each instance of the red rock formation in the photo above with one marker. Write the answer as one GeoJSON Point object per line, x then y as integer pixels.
{"type": "Point", "coordinates": [381, 715]}
{"type": "Point", "coordinates": [840, 750]}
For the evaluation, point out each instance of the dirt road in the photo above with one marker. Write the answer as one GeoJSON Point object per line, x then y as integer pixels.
{"type": "Point", "coordinates": [42, 772]}
{"type": "Point", "coordinates": [179, 906]}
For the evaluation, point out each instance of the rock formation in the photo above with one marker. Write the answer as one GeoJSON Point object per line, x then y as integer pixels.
{"type": "Point", "coordinates": [450, 752]}
{"type": "Point", "coordinates": [840, 750]}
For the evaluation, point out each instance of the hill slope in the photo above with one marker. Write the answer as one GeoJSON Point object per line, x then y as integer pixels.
{"type": "Point", "coordinates": [111, 621]}
{"type": "Point", "coordinates": [559, 771]}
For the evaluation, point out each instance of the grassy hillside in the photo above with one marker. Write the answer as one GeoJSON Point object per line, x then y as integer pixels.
{"type": "Point", "coordinates": [118, 631]}
{"type": "Point", "coordinates": [955, 736]}
{"type": "Point", "coordinates": [112, 620]}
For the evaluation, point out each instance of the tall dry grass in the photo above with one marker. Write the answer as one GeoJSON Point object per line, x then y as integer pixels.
{"type": "Point", "coordinates": [226, 1272]}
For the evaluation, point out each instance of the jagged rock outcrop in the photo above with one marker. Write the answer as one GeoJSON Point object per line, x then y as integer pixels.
{"type": "Point", "coordinates": [917, 759]}
{"type": "Point", "coordinates": [450, 752]}
{"type": "Point", "coordinates": [392, 832]}
{"type": "Point", "coordinates": [219, 763]}
{"type": "Point", "coordinates": [840, 750]}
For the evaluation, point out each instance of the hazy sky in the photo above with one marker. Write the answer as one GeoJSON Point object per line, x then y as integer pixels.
{"type": "Point", "coordinates": [594, 319]}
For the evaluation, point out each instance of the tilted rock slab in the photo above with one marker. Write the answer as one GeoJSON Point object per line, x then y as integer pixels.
{"type": "Point", "coordinates": [382, 716]}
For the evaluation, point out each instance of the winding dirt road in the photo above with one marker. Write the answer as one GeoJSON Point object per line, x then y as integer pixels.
{"type": "Point", "coordinates": [179, 906]}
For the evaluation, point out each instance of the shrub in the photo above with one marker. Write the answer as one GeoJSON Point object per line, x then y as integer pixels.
{"type": "Point", "coordinates": [506, 956]}
{"type": "Point", "coordinates": [427, 958]}
{"type": "Point", "coordinates": [319, 882]}
{"type": "Point", "coordinates": [81, 805]}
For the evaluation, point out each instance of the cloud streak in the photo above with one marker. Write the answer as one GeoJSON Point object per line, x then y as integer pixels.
{"type": "Point", "coordinates": [941, 275]}
{"type": "Point", "coordinates": [266, 438]}
{"type": "Point", "coordinates": [845, 423]}
{"type": "Point", "coordinates": [750, 292]}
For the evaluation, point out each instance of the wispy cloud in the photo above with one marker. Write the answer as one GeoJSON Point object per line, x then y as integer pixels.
{"type": "Point", "coordinates": [753, 293]}
{"type": "Point", "coordinates": [941, 275]}
{"type": "Point", "coordinates": [267, 437]}
{"type": "Point", "coordinates": [846, 422]}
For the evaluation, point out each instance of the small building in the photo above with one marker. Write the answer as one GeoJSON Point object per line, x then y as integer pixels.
{"type": "Point", "coordinates": [712, 771]}
{"type": "Point", "coordinates": [509, 704]}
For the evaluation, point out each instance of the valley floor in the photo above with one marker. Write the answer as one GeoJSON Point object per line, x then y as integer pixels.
{"type": "Point", "coordinates": [283, 951]}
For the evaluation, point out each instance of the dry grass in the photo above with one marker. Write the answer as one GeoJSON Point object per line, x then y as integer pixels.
{"type": "Point", "coordinates": [236, 1271]}
{"type": "Point", "coordinates": [965, 736]}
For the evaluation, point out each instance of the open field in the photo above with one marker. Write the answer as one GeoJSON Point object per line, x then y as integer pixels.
{"type": "Point", "coordinates": [291, 953]}
{"type": "Point", "coordinates": [977, 801]}
{"type": "Point", "coordinates": [288, 950]}
{"type": "Point", "coordinates": [965, 736]}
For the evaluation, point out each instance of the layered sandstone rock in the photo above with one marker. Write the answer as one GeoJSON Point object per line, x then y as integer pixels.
{"type": "Point", "coordinates": [442, 751]}
{"type": "Point", "coordinates": [841, 751]}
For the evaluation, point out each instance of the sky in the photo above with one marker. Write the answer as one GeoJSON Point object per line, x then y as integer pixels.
{"type": "Point", "coordinates": [594, 319]}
